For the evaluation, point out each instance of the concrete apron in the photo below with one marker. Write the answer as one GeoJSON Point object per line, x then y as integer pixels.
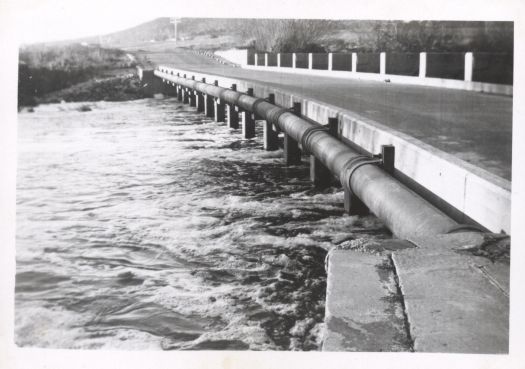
{"type": "Point", "coordinates": [428, 296]}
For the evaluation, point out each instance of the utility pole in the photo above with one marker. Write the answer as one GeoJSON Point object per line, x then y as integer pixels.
{"type": "Point", "coordinates": [175, 21]}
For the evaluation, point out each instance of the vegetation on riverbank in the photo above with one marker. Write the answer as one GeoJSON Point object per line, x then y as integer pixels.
{"type": "Point", "coordinates": [118, 88]}
{"type": "Point", "coordinates": [75, 72]}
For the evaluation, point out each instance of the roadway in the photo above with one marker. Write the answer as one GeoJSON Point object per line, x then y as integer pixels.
{"type": "Point", "coordinates": [474, 127]}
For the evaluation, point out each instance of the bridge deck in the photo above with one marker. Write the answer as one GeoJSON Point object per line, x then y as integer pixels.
{"type": "Point", "coordinates": [475, 127]}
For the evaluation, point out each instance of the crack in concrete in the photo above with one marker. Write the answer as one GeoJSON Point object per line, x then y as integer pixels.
{"type": "Point", "coordinates": [410, 339]}
{"type": "Point", "coordinates": [492, 280]}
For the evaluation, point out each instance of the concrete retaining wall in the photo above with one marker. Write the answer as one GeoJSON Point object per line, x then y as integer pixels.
{"type": "Point", "coordinates": [236, 56]}
{"type": "Point", "coordinates": [458, 188]}
{"type": "Point", "coordinates": [150, 83]}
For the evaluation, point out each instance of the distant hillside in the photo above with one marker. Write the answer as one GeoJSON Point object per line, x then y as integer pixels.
{"type": "Point", "coordinates": [161, 29]}
{"type": "Point", "coordinates": [338, 36]}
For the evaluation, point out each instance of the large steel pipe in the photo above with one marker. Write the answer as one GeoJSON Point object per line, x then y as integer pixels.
{"type": "Point", "coordinates": [403, 211]}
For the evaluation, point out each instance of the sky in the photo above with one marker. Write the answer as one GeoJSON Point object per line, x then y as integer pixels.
{"type": "Point", "coordinates": [53, 20]}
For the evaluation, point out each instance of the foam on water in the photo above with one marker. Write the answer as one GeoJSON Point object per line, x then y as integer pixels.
{"type": "Point", "coordinates": [143, 225]}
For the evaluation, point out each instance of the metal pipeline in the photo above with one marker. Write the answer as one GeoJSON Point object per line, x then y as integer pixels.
{"type": "Point", "coordinates": [403, 211]}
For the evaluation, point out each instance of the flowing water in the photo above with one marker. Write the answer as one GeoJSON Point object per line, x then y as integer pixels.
{"type": "Point", "coordinates": [144, 225]}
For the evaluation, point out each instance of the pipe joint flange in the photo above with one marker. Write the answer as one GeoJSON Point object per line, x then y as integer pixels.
{"type": "Point", "coordinates": [305, 144]}
{"type": "Point", "coordinates": [466, 227]}
{"type": "Point", "coordinates": [257, 102]}
{"type": "Point", "coordinates": [224, 91]}
{"type": "Point", "coordinates": [274, 118]}
{"type": "Point", "coordinates": [351, 165]}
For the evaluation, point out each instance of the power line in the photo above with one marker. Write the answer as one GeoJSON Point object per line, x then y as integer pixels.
{"type": "Point", "coordinates": [175, 21]}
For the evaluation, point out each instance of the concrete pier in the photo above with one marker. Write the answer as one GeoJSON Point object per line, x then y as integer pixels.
{"type": "Point", "coordinates": [232, 116]}
{"type": "Point", "coordinates": [179, 93]}
{"type": "Point", "coordinates": [192, 98]}
{"type": "Point", "coordinates": [248, 120]}
{"type": "Point", "coordinates": [209, 106]}
{"type": "Point", "coordinates": [199, 104]}
{"type": "Point", "coordinates": [270, 135]}
{"type": "Point", "coordinates": [353, 204]}
{"type": "Point", "coordinates": [291, 151]}
{"type": "Point", "coordinates": [219, 108]}
{"type": "Point", "coordinates": [319, 174]}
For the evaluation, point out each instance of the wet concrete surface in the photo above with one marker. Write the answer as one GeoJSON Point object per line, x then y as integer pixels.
{"type": "Point", "coordinates": [363, 308]}
{"type": "Point", "coordinates": [433, 297]}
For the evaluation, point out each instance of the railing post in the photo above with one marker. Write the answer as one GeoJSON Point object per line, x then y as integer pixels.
{"type": "Point", "coordinates": [333, 126]}
{"type": "Point", "coordinates": [422, 65]}
{"type": "Point", "coordinates": [294, 60]}
{"type": "Point", "coordinates": [382, 63]}
{"type": "Point", "coordinates": [330, 61]}
{"type": "Point", "coordinates": [255, 60]}
{"type": "Point", "coordinates": [388, 155]}
{"type": "Point", "coordinates": [278, 60]}
{"type": "Point", "coordinates": [354, 62]}
{"type": "Point", "coordinates": [232, 116]}
{"type": "Point", "coordinates": [291, 151]}
{"type": "Point", "coordinates": [310, 61]}
{"type": "Point", "coordinates": [265, 59]}
{"type": "Point", "coordinates": [248, 120]}
{"type": "Point", "coordinates": [469, 66]}
{"type": "Point", "coordinates": [271, 138]}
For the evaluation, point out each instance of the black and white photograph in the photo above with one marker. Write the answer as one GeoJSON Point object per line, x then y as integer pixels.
{"type": "Point", "coordinates": [228, 182]}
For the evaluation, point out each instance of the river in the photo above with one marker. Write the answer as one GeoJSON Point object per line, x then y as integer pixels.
{"type": "Point", "coordinates": [145, 225]}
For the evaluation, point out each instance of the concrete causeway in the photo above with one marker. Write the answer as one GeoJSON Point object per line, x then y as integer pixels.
{"type": "Point", "coordinates": [428, 293]}
{"type": "Point", "coordinates": [474, 127]}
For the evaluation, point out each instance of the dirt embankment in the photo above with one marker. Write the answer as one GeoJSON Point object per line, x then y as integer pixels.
{"type": "Point", "coordinates": [49, 74]}
{"type": "Point", "coordinates": [116, 88]}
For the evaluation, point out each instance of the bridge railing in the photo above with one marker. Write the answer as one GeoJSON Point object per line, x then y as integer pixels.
{"type": "Point", "coordinates": [477, 67]}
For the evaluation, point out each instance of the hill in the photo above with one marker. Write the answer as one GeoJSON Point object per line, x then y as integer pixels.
{"type": "Point", "coordinates": [328, 35]}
